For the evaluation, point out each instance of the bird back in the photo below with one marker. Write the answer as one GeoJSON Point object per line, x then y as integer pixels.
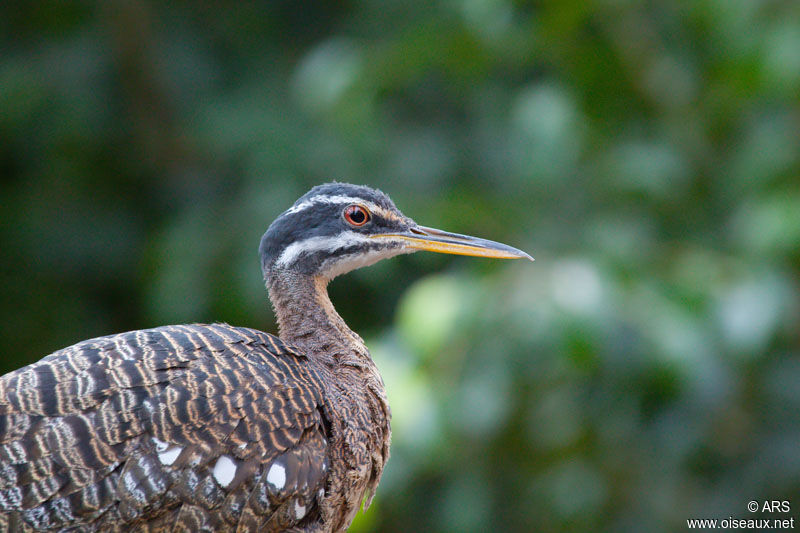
{"type": "Point", "coordinates": [185, 427]}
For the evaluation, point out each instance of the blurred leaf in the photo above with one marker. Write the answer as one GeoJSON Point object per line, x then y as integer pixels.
{"type": "Point", "coordinates": [641, 372]}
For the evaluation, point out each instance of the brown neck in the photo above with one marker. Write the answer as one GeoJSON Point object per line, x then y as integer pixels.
{"type": "Point", "coordinates": [356, 405]}
{"type": "Point", "coordinates": [307, 319]}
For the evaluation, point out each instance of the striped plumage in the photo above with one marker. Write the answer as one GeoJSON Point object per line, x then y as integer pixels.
{"type": "Point", "coordinates": [213, 427]}
{"type": "Point", "coordinates": [112, 428]}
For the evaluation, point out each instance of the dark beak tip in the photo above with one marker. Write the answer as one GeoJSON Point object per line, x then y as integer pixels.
{"type": "Point", "coordinates": [523, 255]}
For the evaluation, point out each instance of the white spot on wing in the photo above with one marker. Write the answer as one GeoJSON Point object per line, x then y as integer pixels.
{"type": "Point", "coordinates": [160, 445]}
{"type": "Point", "coordinates": [168, 457]}
{"type": "Point", "coordinates": [277, 475]}
{"type": "Point", "coordinates": [224, 470]}
{"type": "Point", "coordinates": [299, 510]}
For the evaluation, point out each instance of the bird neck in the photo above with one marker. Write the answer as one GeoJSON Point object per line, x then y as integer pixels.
{"type": "Point", "coordinates": [308, 320]}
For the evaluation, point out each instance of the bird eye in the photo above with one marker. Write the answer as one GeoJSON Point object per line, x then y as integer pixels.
{"type": "Point", "coordinates": [356, 215]}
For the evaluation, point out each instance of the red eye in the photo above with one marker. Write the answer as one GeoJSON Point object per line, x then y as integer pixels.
{"type": "Point", "coordinates": [356, 215]}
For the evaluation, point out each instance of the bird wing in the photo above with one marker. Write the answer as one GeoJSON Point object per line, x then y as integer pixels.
{"type": "Point", "coordinates": [187, 427]}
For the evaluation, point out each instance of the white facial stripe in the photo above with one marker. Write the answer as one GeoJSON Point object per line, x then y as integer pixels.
{"type": "Point", "coordinates": [346, 200]}
{"type": "Point", "coordinates": [330, 200]}
{"type": "Point", "coordinates": [346, 264]}
{"type": "Point", "coordinates": [316, 244]}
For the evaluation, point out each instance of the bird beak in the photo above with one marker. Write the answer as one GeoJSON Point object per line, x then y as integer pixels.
{"type": "Point", "coordinates": [436, 240]}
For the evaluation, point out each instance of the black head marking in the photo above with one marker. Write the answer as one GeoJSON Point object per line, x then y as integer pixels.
{"type": "Point", "coordinates": [312, 234]}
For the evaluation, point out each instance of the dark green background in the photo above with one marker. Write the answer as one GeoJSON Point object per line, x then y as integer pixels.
{"type": "Point", "coordinates": [644, 370]}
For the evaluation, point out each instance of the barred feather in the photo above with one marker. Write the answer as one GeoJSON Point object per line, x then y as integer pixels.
{"type": "Point", "coordinates": [124, 432]}
{"type": "Point", "coordinates": [217, 428]}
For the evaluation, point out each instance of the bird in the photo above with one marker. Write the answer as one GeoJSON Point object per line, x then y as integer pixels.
{"type": "Point", "coordinates": [211, 427]}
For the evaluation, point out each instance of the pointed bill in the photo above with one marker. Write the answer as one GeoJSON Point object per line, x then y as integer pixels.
{"type": "Point", "coordinates": [435, 240]}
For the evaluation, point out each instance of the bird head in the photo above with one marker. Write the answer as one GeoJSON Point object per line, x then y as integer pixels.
{"type": "Point", "coordinates": [338, 227]}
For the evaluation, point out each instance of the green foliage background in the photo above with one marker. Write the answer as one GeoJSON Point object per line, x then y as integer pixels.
{"type": "Point", "coordinates": [644, 370]}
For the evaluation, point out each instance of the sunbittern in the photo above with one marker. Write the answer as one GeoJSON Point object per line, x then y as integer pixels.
{"type": "Point", "coordinates": [213, 427]}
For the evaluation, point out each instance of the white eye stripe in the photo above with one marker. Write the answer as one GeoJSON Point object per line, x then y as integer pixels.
{"type": "Point", "coordinates": [316, 244]}
{"type": "Point", "coordinates": [344, 201]}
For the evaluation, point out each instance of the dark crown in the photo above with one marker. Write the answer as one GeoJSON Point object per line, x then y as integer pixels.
{"type": "Point", "coordinates": [313, 237]}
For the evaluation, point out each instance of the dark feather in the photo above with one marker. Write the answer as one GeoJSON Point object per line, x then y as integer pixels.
{"type": "Point", "coordinates": [89, 432]}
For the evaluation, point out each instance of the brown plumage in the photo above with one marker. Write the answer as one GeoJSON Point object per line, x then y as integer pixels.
{"type": "Point", "coordinates": [213, 427]}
